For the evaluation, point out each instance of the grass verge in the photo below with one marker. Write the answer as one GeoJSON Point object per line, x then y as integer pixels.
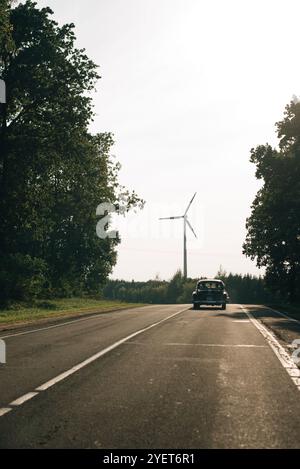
{"type": "Point", "coordinates": [44, 309]}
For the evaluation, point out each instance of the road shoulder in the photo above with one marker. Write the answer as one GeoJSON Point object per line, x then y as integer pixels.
{"type": "Point", "coordinates": [285, 328]}
{"type": "Point", "coordinates": [63, 317]}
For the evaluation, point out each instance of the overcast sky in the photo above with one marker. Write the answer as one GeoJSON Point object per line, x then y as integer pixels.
{"type": "Point", "coordinates": [188, 88]}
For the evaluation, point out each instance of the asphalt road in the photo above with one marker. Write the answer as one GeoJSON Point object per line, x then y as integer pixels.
{"type": "Point", "coordinates": [187, 379]}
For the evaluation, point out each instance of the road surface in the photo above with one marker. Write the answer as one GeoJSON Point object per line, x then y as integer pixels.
{"type": "Point", "coordinates": [162, 376]}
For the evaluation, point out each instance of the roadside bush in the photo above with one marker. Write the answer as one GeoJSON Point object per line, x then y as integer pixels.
{"type": "Point", "coordinates": [22, 277]}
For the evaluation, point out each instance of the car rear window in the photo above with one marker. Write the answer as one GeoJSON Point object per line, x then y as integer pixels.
{"type": "Point", "coordinates": [210, 286]}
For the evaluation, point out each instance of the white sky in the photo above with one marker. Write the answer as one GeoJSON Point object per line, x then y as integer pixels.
{"type": "Point", "coordinates": [188, 88]}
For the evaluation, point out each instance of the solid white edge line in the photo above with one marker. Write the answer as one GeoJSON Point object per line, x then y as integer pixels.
{"type": "Point", "coordinates": [178, 344]}
{"type": "Point", "coordinates": [284, 315]}
{"type": "Point", "coordinates": [284, 358]}
{"type": "Point", "coordinates": [81, 365]}
{"type": "Point", "coordinates": [46, 328]}
{"type": "Point", "coordinates": [93, 316]}
{"type": "Point", "coordinates": [213, 345]}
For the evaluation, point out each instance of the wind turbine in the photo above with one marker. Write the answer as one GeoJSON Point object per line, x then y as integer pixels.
{"type": "Point", "coordinates": [185, 222]}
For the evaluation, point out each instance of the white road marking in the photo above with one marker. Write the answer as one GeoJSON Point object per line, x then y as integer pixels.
{"type": "Point", "coordinates": [284, 315]}
{"type": "Point", "coordinates": [47, 328]}
{"type": "Point", "coordinates": [4, 411]}
{"type": "Point", "coordinates": [198, 345]}
{"type": "Point", "coordinates": [23, 399]}
{"type": "Point", "coordinates": [93, 316]}
{"type": "Point", "coordinates": [246, 321]}
{"type": "Point", "coordinates": [74, 369]}
{"type": "Point", "coordinates": [277, 348]}
{"type": "Point", "coordinates": [221, 345]}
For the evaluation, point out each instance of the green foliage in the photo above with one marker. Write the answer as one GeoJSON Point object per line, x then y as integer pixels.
{"type": "Point", "coordinates": [273, 229]}
{"type": "Point", "coordinates": [21, 276]}
{"type": "Point", "coordinates": [241, 289]}
{"type": "Point", "coordinates": [53, 172]}
{"type": "Point", "coordinates": [6, 40]}
{"type": "Point", "coordinates": [247, 289]}
{"type": "Point", "coordinates": [174, 287]}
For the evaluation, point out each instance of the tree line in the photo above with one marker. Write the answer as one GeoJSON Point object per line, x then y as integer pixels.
{"type": "Point", "coordinates": [241, 289]}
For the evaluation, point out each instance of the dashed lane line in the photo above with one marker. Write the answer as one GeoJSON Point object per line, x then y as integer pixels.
{"type": "Point", "coordinates": [25, 398]}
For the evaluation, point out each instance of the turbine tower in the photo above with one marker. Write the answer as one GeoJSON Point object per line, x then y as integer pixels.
{"type": "Point", "coordinates": [185, 223]}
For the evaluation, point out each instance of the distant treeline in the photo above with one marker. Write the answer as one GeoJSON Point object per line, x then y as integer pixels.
{"type": "Point", "coordinates": [241, 289]}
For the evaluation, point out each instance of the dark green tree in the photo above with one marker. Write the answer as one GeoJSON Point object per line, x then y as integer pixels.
{"type": "Point", "coordinates": [6, 40]}
{"type": "Point", "coordinates": [53, 171]}
{"type": "Point", "coordinates": [241, 289]}
{"type": "Point", "coordinates": [273, 229]}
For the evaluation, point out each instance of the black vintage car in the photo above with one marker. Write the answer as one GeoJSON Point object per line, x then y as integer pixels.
{"type": "Point", "coordinates": [210, 292]}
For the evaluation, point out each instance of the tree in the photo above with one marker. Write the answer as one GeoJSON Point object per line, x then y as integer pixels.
{"type": "Point", "coordinates": [6, 40]}
{"type": "Point", "coordinates": [53, 171]}
{"type": "Point", "coordinates": [221, 274]}
{"type": "Point", "coordinates": [273, 229]}
{"type": "Point", "coordinates": [175, 287]}
{"type": "Point", "coordinates": [241, 289]}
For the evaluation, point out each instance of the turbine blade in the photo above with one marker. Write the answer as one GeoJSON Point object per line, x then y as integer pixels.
{"type": "Point", "coordinates": [190, 203]}
{"type": "Point", "coordinates": [191, 228]}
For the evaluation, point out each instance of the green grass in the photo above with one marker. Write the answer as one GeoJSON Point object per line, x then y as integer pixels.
{"type": "Point", "coordinates": [21, 312]}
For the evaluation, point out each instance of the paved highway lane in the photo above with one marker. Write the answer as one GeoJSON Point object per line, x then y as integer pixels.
{"type": "Point", "coordinates": [37, 355]}
{"type": "Point", "coordinates": [197, 379]}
